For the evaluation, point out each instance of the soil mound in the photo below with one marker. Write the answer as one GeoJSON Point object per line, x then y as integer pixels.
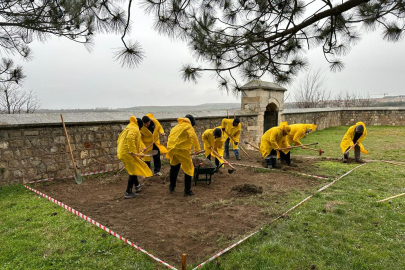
{"type": "Point", "coordinates": [202, 162]}
{"type": "Point", "coordinates": [248, 189]}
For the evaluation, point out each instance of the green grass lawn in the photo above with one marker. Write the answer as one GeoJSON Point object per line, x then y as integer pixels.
{"type": "Point", "coordinates": [343, 227]}
{"type": "Point", "coordinates": [382, 143]}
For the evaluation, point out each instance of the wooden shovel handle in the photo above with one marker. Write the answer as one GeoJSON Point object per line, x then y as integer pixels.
{"type": "Point", "coordinates": [151, 143]}
{"type": "Point", "coordinates": [351, 147]}
{"type": "Point", "coordinates": [226, 162]}
{"type": "Point", "coordinates": [229, 136]}
{"type": "Point", "coordinates": [67, 139]}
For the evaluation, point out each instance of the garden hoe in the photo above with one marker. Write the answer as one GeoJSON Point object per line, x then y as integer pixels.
{"type": "Point", "coordinates": [78, 176]}
{"type": "Point", "coordinates": [230, 171]}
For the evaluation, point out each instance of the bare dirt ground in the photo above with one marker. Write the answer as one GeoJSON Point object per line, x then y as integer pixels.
{"type": "Point", "coordinates": [168, 225]}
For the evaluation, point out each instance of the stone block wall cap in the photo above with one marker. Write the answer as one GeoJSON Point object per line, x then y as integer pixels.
{"type": "Point", "coordinates": [52, 119]}
{"type": "Point", "coordinates": [258, 84]}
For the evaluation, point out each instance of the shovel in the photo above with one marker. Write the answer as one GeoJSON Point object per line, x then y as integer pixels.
{"type": "Point", "coordinates": [230, 171]}
{"type": "Point", "coordinates": [151, 153]}
{"type": "Point", "coordinates": [152, 144]}
{"type": "Point", "coordinates": [251, 144]}
{"type": "Point", "coordinates": [350, 148]}
{"type": "Point", "coordinates": [235, 142]}
{"type": "Point", "coordinates": [197, 153]}
{"type": "Point", "coordinates": [78, 176]}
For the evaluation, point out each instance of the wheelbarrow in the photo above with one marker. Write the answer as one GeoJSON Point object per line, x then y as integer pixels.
{"type": "Point", "coordinates": [207, 171]}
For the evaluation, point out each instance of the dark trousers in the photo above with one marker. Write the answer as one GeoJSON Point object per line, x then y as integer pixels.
{"type": "Point", "coordinates": [226, 147]}
{"type": "Point", "coordinates": [216, 160]}
{"type": "Point", "coordinates": [356, 153]}
{"type": "Point", "coordinates": [174, 172]}
{"type": "Point", "coordinates": [271, 159]}
{"type": "Point", "coordinates": [157, 164]}
{"type": "Point", "coordinates": [132, 180]}
{"type": "Point", "coordinates": [285, 157]}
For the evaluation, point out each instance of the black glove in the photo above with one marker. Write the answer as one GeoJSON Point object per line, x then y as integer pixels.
{"type": "Point", "coordinates": [236, 143]}
{"type": "Point", "coordinates": [223, 129]}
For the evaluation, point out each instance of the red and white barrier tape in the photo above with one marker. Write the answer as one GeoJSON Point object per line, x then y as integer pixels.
{"type": "Point", "coordinates": [282, 215]}
{"type": "Point", "coordinates": [70, 209]}
{"type": "Point", "coordinates": [251, 166]}
{"type": "Point", "coordinates": [223, 251]}
{"type": "Point", "coordinates": [319, 177]}
{"type": "Point", "coordinates": [72, 176]}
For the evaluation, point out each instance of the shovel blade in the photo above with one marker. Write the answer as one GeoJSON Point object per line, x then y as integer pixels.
{"type": "Point", "coordinates": [78, 178]}
{"type": "Point", "coordinates": [230, 171]}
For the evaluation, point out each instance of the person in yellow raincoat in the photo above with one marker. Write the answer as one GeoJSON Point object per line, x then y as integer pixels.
{"type": "Point", "coordinates": [233, 128]}
{"type": "Point", "coordinates": [298, 131]}
{"type": "Point", "coordinates": [129, 143]}
{"type": "Point", "coordinates": [354, 136]}
{"type": "Point", "coordinates": [270, 144]}
{"type": "Point", "coordinates": [149, 133]}
{"type": "Point", "coordinates": [213, 139]}
{"type": "Point", "coordinates": [181, 139]}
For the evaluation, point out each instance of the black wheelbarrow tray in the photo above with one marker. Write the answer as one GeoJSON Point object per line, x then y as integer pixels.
{"type": "Point", "coordinates": [207, 171]}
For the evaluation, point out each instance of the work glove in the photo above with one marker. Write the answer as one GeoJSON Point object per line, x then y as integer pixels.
{"type": "Point", "coordinates": [223, 129]}
{"type": "Point", "coordinates": [236, 143]}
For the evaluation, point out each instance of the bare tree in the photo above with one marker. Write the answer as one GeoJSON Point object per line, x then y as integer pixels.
{"type": "Point", "coordinates": [14, 100]}
{"type": "Point", "coordinates": [311, 91]}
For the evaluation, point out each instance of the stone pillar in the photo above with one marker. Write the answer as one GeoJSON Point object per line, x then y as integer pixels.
{"type": "Point", "coordinates": [260, 96]}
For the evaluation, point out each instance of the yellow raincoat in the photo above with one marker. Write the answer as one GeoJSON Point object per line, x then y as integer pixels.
{"type": "Point", "coordinates": [298, 132]}
{"type": "Point", "coordinates": [129, 141]}
{"type": "Point", "coordinates": [148, 137]}
{"type": "Point", "coordinates": [273, 139]}
{"type": "Point", "coordinates": [234, 132]}
{"type": "Point", "coordinates": [210, 141]}
{"type": "Point", "coordinates": [347, 140]}
{"type": "Point", "coordinates": [181, 138]}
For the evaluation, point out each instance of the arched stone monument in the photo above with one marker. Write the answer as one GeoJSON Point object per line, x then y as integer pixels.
{"type": "Point", "coordinates": [265, 98]}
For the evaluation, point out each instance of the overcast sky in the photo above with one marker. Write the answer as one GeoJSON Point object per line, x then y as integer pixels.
{"type": "Point", "coordinates": [65, 75]}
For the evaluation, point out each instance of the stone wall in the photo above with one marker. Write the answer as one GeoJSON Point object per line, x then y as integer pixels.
{"type": "Point", "coordinates": [38, 151]}
{"type": "Point", "coordinates": [327, 117]}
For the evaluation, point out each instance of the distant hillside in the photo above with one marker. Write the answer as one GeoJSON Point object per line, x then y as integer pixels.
{"type": "Point", "coordinates": [202, 107]}
{"type": "Point", "coordinates": [154, 109]}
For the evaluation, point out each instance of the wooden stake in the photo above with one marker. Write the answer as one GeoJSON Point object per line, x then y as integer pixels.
{"type": "Point", "coordinates": [402, 194]}
{"type": "Point", "coordinates": [183, 261]}
{"type": "Point", "coordinates": [227, 115]}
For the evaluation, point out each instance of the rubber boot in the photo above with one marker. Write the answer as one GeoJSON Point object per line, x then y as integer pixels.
{"type": "Point", "coordinates": [236, 151]}
{"type": "Point", "coordinates": [357, 154]}
{"type": "Point", "coordinates": [187, 185]}
{"type": "Point", "coordinates": [346, 156]}
{"type": "Point", "coordinates": [174, 172]}
{"type": "Point", "coordinates": [274, 163]}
